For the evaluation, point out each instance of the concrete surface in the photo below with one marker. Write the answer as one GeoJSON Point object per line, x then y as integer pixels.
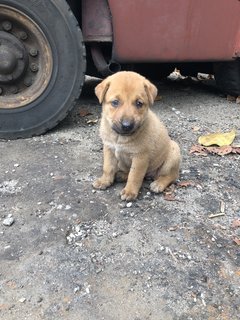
{"type": "Point", "coordinates": [69, 252]}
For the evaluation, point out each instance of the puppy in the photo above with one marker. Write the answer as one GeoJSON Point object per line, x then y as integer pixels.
{"type": "Point", "coordinates": [136, 144]}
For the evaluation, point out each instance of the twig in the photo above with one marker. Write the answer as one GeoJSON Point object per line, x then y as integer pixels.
{"type": "Point", "coordinates": [222, 207]}
{"type": "Point", "coordinates": [216, 215]}
{"type": "Point", "coordinates": [168, 250]}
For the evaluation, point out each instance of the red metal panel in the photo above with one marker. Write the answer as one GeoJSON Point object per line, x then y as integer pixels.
{"type": "Point", "coordinates": [175, 30]}
{"type": "Point", "coordinates": [96, 21]}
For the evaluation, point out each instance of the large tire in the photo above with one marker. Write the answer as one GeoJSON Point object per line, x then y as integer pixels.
{"type": "Point", "coordinates": [227, 76]}
{"type": "Point", "coordinates": [42, 65]}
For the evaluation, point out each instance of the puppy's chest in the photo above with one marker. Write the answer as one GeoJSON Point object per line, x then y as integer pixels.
{"type": "Point", "coordinates": [120, 150]}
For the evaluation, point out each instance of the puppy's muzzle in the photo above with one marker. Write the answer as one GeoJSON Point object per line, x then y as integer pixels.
{"type": "Point", "coordinates": [125, 127]}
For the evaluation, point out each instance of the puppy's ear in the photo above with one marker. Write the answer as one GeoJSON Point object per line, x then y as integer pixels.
{"type": "Point", "coordinates": [101, 90]}
{"type": "Point", "coordinates": [151, 91]}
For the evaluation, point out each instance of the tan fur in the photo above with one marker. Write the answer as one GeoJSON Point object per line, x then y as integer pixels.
{"type": "Point", "coordinates": [147, 149]}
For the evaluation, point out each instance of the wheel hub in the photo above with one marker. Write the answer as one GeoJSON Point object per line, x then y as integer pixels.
{"type": "Point", "coordinates": [13, 58]}
{"type": "Point", "coordinates": [26, 61]}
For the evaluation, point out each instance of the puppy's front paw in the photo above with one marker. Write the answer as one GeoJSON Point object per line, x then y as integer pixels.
{"type": "Point", "coordinates": [156, 187]}
{"type": "Point", "coordinates": [101, 183]}
{"type": "Point", "coordinates": [127, 194]}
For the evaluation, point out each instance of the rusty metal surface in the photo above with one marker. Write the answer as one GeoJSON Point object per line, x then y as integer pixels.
{"type": "Point", "coordinates": [96, 21]}
{"type": "Point", "coordinates": [26, 69]}
{"type": "Point", "coordinates": [183, 30]}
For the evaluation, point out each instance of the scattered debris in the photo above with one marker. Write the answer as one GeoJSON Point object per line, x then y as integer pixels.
{"type": "Point", "coordinates": [221, 151]}
{"type": "Point", "coordinates": [238, 99]}
{"type": "Point", "coordinates": [237, 241]}
{"type": "Point", "coordinates": [205, 76]}
{"type": "Point", "coordinates": [195, 128]}
{"type": "Point", "coordinates": [169, 193]}
{"type": "Point", "coordinates": [185, 184]}
{"type": "Point", "coordinates": [92, 121]}
{"type": "Point", "coordinates": [236, 223]}
{"type": "Point", "coordinates": [219, 214]}
{"type": "Point", "coordinates": [129, 204]}
{"type": "Point", "coordinates": [231, 98]}
{"type": "Point", "coordinates": [174, 228]}
{"type": "Point", "coordinates": [9, 187]}
{"type": "Point", "coordinates": [84, 113]}
{"type": "Point", "coordinates": [222, 207]}
{"type": "Point", "coordinates": [169, 197]}
{"type": "Point", "coordinates": [215, 215]}
{"type": "Point", "coordinates": [169, 251]}
{"type": "Point", "coordinates": [8, 221]}
{"type": "Point", "coordinates": [83, 230]}
{"type": "Point", "coordinates": [176, 75]}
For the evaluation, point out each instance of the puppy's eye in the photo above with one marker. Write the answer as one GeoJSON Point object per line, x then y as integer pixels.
{"type": "Point", "coordinates": [115, 103]}
{"type": "Point", "coordinates": [139, 104]}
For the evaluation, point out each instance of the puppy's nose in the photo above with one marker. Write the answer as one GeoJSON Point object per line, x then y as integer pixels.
{"type": "Point", "coordinates": [127, 125]}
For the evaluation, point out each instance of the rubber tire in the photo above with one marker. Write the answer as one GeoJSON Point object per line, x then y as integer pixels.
{"type": "Point", "coordinates": [227, 76]}
{"type": "Point", "coordinates": [61, 29]}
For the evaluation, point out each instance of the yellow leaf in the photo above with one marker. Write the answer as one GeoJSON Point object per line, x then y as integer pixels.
{"type": "Point", "coordinates": [219, 139]}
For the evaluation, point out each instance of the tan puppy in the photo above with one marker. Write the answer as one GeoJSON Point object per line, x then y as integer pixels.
{"type": "Point", "coordinates": [135, 143]}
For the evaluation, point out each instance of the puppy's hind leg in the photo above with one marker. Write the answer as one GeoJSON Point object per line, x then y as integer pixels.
{"type": "Point", "coordinates": [169, 171]}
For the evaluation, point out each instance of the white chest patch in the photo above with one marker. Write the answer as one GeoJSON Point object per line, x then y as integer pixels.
{"type": "Point", "coordinates": [115, 147]}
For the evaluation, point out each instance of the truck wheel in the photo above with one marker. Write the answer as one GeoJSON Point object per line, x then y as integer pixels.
{"type": "Point", "coordinates": [42, 65]}
{"type": "Point", "coordinates": [227, 76]}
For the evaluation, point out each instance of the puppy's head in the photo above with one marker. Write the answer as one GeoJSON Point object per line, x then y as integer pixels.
{"type": "Point", "coordinates": [126, 97]}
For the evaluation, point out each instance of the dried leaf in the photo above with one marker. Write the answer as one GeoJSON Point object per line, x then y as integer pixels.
{"type": "Point", "coordinates": [169, 193]}
{"type": "Point", "coordinates": [184, 184]}
{"type": "Point", "coordinates": [169, 197]}
{"type": "Point", "coordinates": [84, 113]}
{"type": "Point", "coordinates": [198, 150]}
{"type": "Point", "coordinates": [194, 129]}
{"type": "Point", "coordinates": [236, 150]}
{"type": "Point", "coordinates": [237, 241]}
{"type": "Point", "coordinates": [238, 99]}
{"type": "Point", "coordinates": [231, 98]}
{"type": "Point", "coordinates": [221, 151]}
{"type": "Point", "coordinates": [219, 139]}
{"type": "Point", "coordinates": [236, 223]}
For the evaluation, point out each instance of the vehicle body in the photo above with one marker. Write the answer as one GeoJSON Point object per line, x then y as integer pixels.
{"type": "Point", "coordinates": [47, 47]}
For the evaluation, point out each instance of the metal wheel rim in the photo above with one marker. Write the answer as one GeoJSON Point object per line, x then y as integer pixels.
{"type": "Point", "coordinates": [26, 67]}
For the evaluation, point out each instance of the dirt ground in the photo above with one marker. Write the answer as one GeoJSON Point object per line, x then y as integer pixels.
{"type": "Point", "coordinates": [70, 252]}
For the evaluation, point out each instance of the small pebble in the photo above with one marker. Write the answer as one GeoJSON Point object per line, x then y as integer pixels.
{"type": "Point", "coordinates": [76, 289]}
{"type": "Point", "coordinates": [129, 204]}
{"type": "Point", "coordinates": [22, 300]}
{"type": "Point", "coordinates": [8, 221]}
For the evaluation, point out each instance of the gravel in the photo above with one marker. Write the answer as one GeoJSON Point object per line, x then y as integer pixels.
{"type": "Point", "coordinates": [70, 252]}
